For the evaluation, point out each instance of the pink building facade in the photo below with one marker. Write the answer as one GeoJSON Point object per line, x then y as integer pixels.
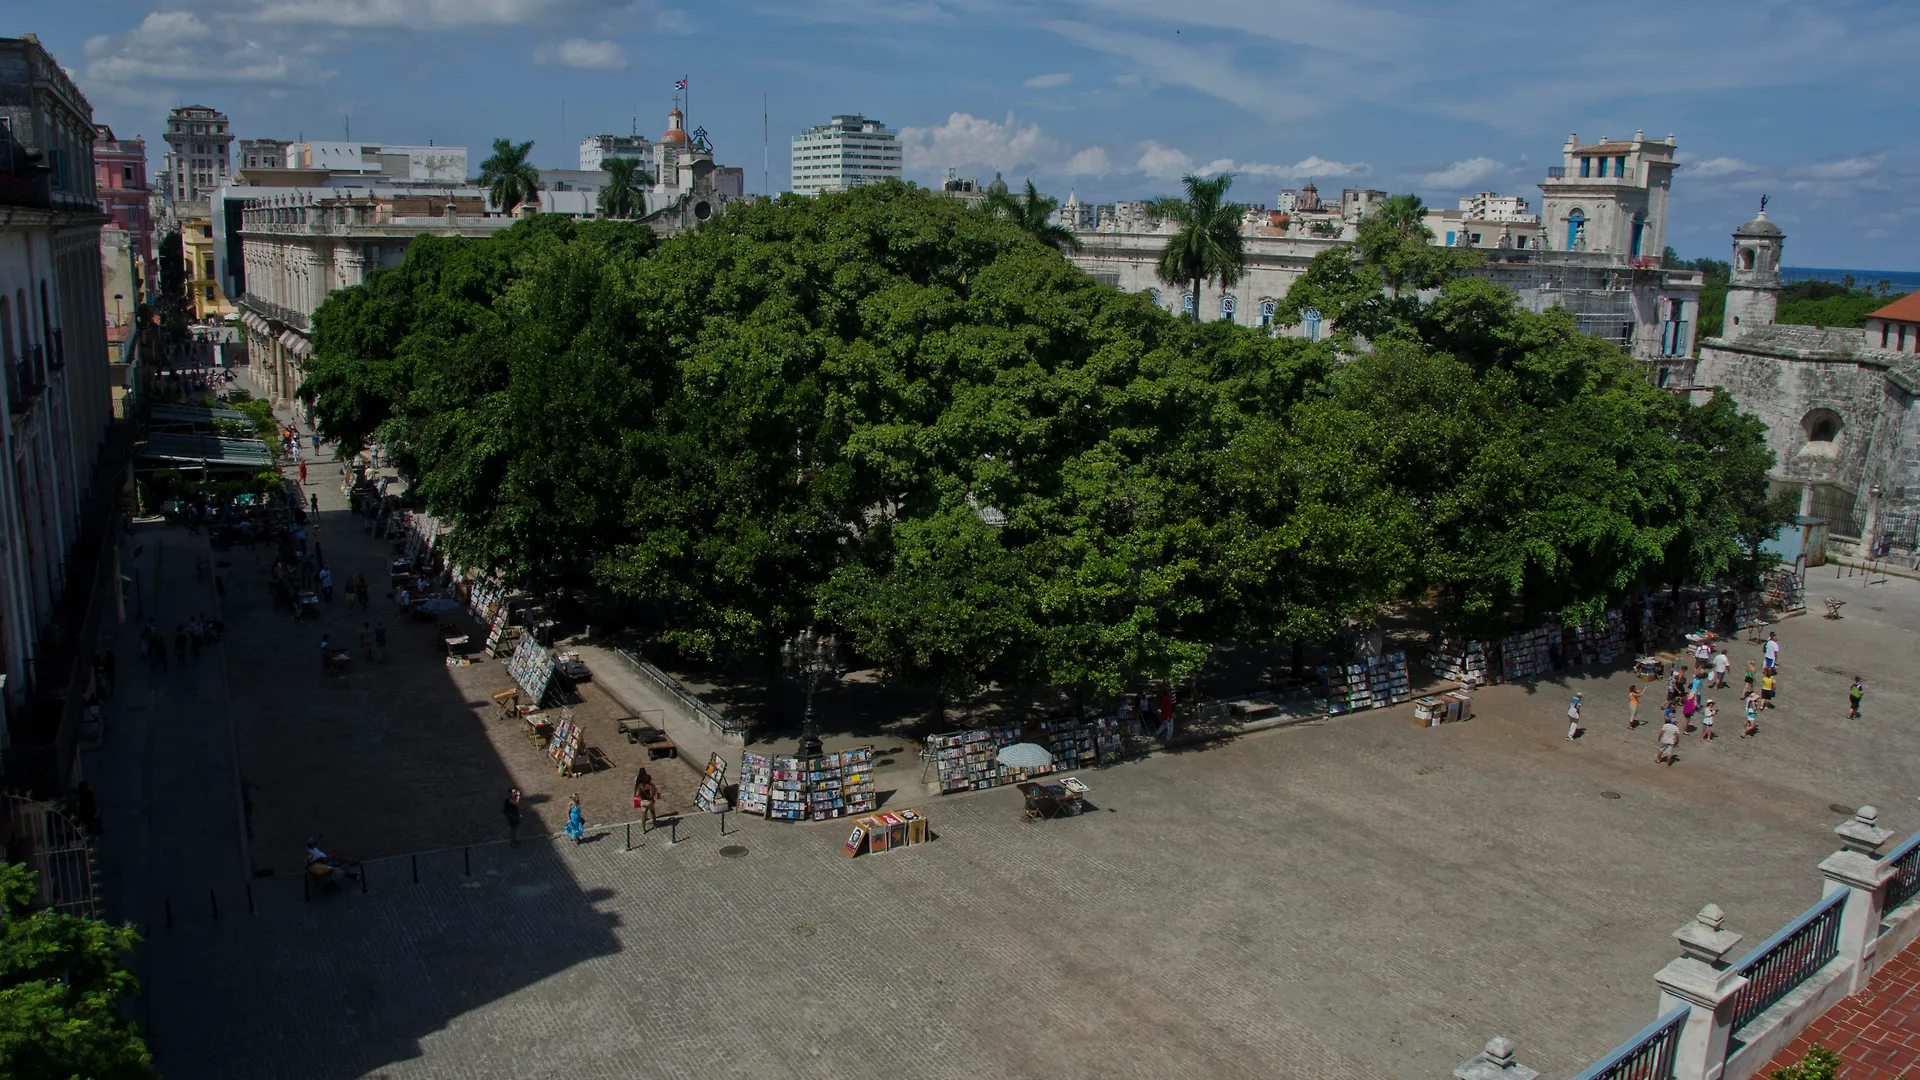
{"type": "Point", "coordinates": [120, 176]}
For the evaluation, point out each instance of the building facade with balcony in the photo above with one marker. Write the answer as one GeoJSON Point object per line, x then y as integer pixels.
{"type": "Point", "coordinates": [199, 153]}
{"type": "Point", "coordinates": [57, 404]}
{"type": "Point", "coordinates": [120, 178]}
{"type": "Point", "coordinates": [846, 152]}
{"type": "Point", "coordinates": [1609, 197]}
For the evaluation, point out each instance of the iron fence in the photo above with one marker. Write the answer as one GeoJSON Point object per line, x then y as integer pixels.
{"type": "Point", "coordinates": [1788, 958]}
{"type": "Point", "coordinates": [1905, 884]}
{"type": "Point", "coordinates": [1647, 1056]}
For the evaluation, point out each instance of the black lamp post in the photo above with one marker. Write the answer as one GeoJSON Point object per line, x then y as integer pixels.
{"type": "Point", "coordinates": [807, 655]}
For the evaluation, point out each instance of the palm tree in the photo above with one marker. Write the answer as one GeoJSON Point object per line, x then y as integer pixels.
{"type": "Point", "coordinates": [622, 197]}
{"type": "Point", "coordinates": [1033, 212]}
{"type": "Point", "coordinates": [509, 179]}
{"type": "Point", "coordinates": [1206, 243]}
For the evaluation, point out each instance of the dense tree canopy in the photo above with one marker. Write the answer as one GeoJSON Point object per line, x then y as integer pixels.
{"type": "Point", "coordinates": [62, 979]}
{"type": "Point", "coordinates": [922, 428]}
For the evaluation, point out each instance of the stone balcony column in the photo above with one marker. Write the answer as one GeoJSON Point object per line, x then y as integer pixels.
{"type": "Point", "coordinates": [1494, 1063]}
{"type": "Point", "coordinates": [1858, 868]}
{"type": "Point", "coordinates": [1703, 981]}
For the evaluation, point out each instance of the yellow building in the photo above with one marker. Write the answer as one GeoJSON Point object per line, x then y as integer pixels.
{"type": "Point", "coordinates": [209, 300]}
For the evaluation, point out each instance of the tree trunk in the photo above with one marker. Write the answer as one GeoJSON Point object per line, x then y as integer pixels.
{"type": "Point", "coordinates": [1196, 298]}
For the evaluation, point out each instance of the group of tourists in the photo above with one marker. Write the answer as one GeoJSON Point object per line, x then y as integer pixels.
{"type": "Point", "coordinates": [188, 638]}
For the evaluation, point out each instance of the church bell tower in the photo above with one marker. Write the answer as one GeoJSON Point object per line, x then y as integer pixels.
{"type": "Point", "coordinates": [1753, 292]}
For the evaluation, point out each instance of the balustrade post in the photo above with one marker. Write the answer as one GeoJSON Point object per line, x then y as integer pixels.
{"type": "Point", "coordinates": [1858, 869]}
{"type": "Point", "coordinates": [1494, 1063]}
{"type": "Point", "coordinates": [1705, 983]}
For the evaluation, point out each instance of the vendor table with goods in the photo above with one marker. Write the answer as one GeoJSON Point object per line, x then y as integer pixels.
{"type": "Point", "coordinates": [1053, 800]}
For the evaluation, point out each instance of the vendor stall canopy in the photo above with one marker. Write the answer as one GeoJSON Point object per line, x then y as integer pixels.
{"type": "Point", "coordinates": [190, 419]}
{"type": "Point", "coordinates": [203, 451]}
{"type": "Point", "coordinates": [1025, 755]}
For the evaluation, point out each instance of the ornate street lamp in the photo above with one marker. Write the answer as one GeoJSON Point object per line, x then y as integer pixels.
{"type": "Point", "coordinates": [808, 655]}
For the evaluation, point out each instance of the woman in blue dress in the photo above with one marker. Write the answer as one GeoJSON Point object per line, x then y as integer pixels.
{"type": "Point", "coordinates": [576, 824]}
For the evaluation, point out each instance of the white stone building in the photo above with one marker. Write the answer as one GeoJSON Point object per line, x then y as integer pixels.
{"type": "Point", "coordinates": [198, 153]}
{"type": "Point", "coordinates": [1609, 197]}
{"type": "Point", "coordinates": [595, 150]}
{"type": "Point", "coordinates": [846, 152]}
{"type": "Point", "coordinates": [53, 352]}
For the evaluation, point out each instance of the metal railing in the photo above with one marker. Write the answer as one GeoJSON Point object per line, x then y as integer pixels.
{"type": "Point", "coordinates": [277, 312]}
{"type": "Point", "coordinates": [695, 708]}
{"type": "Point", "coordinates": [1788, 958]}
{"type": "Point", "coordinates": [1599, 172]}
{"type": "Point", "coordinates": [1905, 884]}
{"type": "Point", "coordinates": [1647, 1056]}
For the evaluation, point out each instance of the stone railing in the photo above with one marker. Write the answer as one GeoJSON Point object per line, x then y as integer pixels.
{"type": "Point", "coordinates": [728, 730]}
{"type": "Point", "coordinates": [1721, 1020]}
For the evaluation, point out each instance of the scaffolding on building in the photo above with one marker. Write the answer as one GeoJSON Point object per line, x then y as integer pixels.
{"type": "Point", "coordinates": [1598, 294]}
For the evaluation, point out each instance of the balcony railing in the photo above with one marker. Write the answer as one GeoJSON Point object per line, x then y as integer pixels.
{"type": "Point", "coordinates": [1560, 172]}
{"type": "Point", "coordinates": [1905, 861]}
{"type": "Point", "coordinates": [1647, 1056]}
{"type": "Point", "coordinates": [277, 312]}
{"type": "Point", "coordinates": [1788, 958]}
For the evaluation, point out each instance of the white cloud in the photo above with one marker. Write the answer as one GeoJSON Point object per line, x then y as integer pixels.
{"type": "Point", "coordinates": [1856, 168]}
{"type": "Point", "coordinates": [1089, 162]}
{"type": "Point", "coordinates": [1163, 162]}
{"type": "Point", "coordinates": [422, 14]}
{"type": "Point", "coordinates": [1472, 172]}
{"type": "Point", "coordinates": [176, 46]}
{"type": "Point", "coordinates": [1046, 82]}
{"type": "Point", "coordinates": [1715, 166]}
{"type": "Point", "coordinates": [583, 54]}
{"type": "Point", "coordinates": [1167, 163]}
{"type": "Point", "coordinates": [1131, 78]}
{"type": "Point", "coordinates": [972, 140]}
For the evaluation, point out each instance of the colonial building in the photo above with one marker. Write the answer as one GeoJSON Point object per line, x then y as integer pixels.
{"type": "Point", "coordinates": [1839, 403]}
{"type": "Point", "coordinates": [1611, 292]}
{"type": "Point", "coordinates": [53, 351]}
{"type": "Point", "coordinates": [120, 176]}
{"type": "Point", "coordinates": [198, 153]}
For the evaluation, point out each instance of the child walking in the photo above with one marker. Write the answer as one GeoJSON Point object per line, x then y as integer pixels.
{"type": "Point", "coordinates": [1752, 667]}
{"type": "Point", "coordinates": [1766, 690]}
{"type": "Point", "coordinates": [1573, 717]}
{"type": "Point", "coordinates": [1854, 694]}
{"type": "Point", "coordinates": [1706, 721]}
{"type": "Point", "coordinates": [1753, 716]}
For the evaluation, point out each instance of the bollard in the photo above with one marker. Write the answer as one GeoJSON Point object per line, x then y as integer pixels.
{"type": "Point", "coordinates": [673, 830]}
{"type": "Point", "coordinates": [363, 879]}
{"type": "Point", "coordinates": [214, 901]}
{"type": "Point", "coordinates": [630, 835]}
{"type": "Point", "coordinates": [723, 823]}
{"type": "Point", "coordinates": [416, 869]}
{"type": "Point", "coordinates": [250, 910]}
{"type": "Point", "coordinates": [466, 861]}
{"type": "Point", "coordinates": [169, 903]}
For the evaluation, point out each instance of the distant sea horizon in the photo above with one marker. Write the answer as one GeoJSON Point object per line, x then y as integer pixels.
{"type": "Point", "coordinates": [1898, 281]}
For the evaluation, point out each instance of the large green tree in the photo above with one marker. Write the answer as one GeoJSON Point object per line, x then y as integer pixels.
{"type": "Point", "coordinates": [1033, 212]}
{"type": "Point", "coordinates": [624, 194]}
{"type": "Point", "coordinates": [62, 982]}
{"type": "Point", "coordinates": [1207, 243]}
{"type": "Point", "coordinates": [510, 179]}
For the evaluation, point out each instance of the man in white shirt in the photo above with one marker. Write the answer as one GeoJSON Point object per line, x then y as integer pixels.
{"type": "Point", "coordinates": [1773, 651]}
{"type": "Point", "coordinates": [1721, 662]}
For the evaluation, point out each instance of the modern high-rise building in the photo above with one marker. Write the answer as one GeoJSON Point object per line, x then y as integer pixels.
{"type": "Point", "coordinates": [850, 151]}
{"type": "Point", "coordinates": [197, 158]}
{"type": "Point", "coordinates": [596, 149]}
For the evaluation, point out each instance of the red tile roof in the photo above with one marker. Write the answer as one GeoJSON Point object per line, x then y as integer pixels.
{"type": "Point", "coordinates": [1905, 309]}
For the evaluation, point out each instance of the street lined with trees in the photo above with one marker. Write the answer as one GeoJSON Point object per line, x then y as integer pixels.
{"type": "Point", "coordinates": [919, 426]}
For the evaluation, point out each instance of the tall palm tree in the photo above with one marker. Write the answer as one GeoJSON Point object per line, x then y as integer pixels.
{"type": "Point", "coordinates": [1206, 242]}
{"type": "Point", "coordinates": [622, 196]}
{"type": "Point", "coordinates": [1033, 212]}
{"type": "Point", "coordinates": [508, 177]}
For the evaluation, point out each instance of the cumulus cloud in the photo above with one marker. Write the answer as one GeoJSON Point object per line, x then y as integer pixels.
{"type": "Point", "coordinates": [581, 53]}
{"type": "Point", "coordinates": [1472, 172]}
{"type": "Point", "coordinates": [1043, 82]}
{"type": "Point", "coordinates": [177, 46]}
{"type": "Point", "coordinates": [1089, 162]}
{"type": "Point", "coordinates": [1163, 161]}
{"type": "Point", "coordinates": [966, 139]}
{"type": "Point", "coordinates": [417, 14]}
{"type": "Point", "coordinates": [1166, 163]}
{"type": "Point", "coordinates": [1856, 168]}
{"type": "Point", "coordinates": [1716, 166]}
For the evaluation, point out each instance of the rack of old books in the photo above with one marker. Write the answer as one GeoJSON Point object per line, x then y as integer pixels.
{"type": "Point", "coordinates": [1073, 747]}
{"type": "Point", "coordinates": [486, 597]}
{"type": "Point", "coordinates": [1110, 738]}
{"type": "Point", "coordinates": [1460, 662]}
{"type": "Point", "coordinates": [786, 790]}
{"type": "Point", "coordinates": [500, 636]}
{"type": "Point", "coordinates": [1746, 610]}
{"type": "Point", "coordinates": [966, 760]}
{"type": "Point", "coordinates": [756, 781]}
{"type": "Point", "coordinates": [1528, 653]}
{"type": "Point", "coordinates": [1366, 683]}
{"type": "Point", "coordinates": [711, 795]}
{"type": "Point", "coordinates": [531, 668]}
{"type": "Point", "coordinates": [1601, 644]}
{"type": "Point", "coordinates": [1436, 709]}
{"type": "Point", "coordinates": [890, 831]}
{"type": "Point", "coordinates": [856, 779]}
{"type": "Point", "coordinates": [824, 796]}
{"type": "Point", "coordinates": [564, 746]}
{"type": "Point", "coordinates": [1785, 592]}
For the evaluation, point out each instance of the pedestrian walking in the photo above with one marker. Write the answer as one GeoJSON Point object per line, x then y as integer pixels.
{"type": "Point", "coordinates": [1702, 657]}
{"type": "Point", "coordinates": [313, 504]}
{"type": "Point", "coordinates": [1706, 721]}
{"type": "Point", "coordinates": [1669, 742]}
{"type": "Point", "coordinates": [1721, 662]}
{"type": "Point", "coordinates": [316, 442]}
{"type": "Point", "coordinates": [1573, 718]}
{"type": "Point", "coordinates": [1854, 694]}
{"type": "Point", "coordinates": [380, 640]}
{"type": "Point", "coordinates": [1753, 716]}
{"type": "Point", "coordinates": [303, 474]}
{"type": "Point", "coordinates": [1766, 689]}
{"type": "Point", "coordinates": [1688, 706]}
{"type": "Point", "coordinates": [511, 810]}
{"type": "Point", "coordinates": [1773, 650]}
{"type": "Point", "coordinates": [366, 641]}
{"type": "Point", "coordinates": [361, 588]}
{"type": "Point", "coordinates": [1633, 708]}
{"type": "Point", "coordinates": [180, 643]}
{"type": "Point", "coordinates": [1165, 731]}
{"type": "Point", "coordinates": [326, 583]}
{"type": "Point", "coordinates": [576, 822]}
{"type": "Point", "coordinates": [1752, 675]}
{"type": "Point", "coordinates": [107, 672]}
{"type": "Point", "coordinates": [646, 797]}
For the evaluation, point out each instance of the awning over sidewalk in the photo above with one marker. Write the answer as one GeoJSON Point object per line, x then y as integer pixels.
{"type": "Point", "coordinates": [172, 451]}
{"type": "Point", "coordinates": [296, 344]}
{"type": "Point", "coordinates": [189, 419]}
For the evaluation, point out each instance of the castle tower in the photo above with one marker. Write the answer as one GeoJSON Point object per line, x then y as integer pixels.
{"type": "Point", "coordinates": [1754, 289]}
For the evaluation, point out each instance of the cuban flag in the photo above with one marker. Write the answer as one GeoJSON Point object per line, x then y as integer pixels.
{"type": "Point", "coordinates": [681, 85]}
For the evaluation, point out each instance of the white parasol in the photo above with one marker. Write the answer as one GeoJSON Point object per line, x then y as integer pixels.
{"type": "Point", "coordinates": [1025, 755]}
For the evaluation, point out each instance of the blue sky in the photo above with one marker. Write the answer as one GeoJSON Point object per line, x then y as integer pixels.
{"type": "Point", "coordinates": [1811, 103]}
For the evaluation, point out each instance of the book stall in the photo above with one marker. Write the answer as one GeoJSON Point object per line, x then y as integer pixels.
{"type": "Point", "coordinates": [501, 638]}
{"type": "Point", "coordinates": [1368, 683]}
{"type": "Point", "coordinates": [564, 746]}
{"type": "Point", "coordinates": [1599, 644]}
{"type": "Point", "coordinates": [969, 760]}
{"type": "Point", "coordinates": [1460, 663]}
{"type": "Point", "coordinates": [1785, 591]}
{"type": "Point", "coordinates": [783, 788]}
{"type": "Point", "coordinates": [486, 597]}
{"type": "Point", "coordinates": [711, 796]}
{"type": "Point", "coordinates": [1528, 653]}
{"type": "Point", "coordinates": [531, 668]}
{"type": "Point", "coordinates": [889, 831]}
{"type": "Point", "coordinates": [1448, 708]}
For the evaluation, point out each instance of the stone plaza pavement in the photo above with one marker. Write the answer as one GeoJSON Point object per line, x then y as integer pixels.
{"type": "Point", "coordinates": [1355, 898]}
